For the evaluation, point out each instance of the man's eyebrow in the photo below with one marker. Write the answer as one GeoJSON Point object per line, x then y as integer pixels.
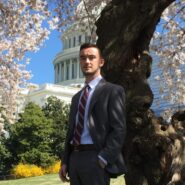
{"type": "Point", "coordinates": [86, 55]}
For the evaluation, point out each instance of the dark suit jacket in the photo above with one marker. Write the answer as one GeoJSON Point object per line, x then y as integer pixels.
{"type": "Point", "coordinates": [107, 125]}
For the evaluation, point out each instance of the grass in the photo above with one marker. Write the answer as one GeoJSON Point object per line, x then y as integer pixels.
{"type": "Point", "coordinates": [50, 180]}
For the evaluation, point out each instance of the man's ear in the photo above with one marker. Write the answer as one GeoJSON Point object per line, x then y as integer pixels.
{"type": "Point", "coordinates": [102, 61]}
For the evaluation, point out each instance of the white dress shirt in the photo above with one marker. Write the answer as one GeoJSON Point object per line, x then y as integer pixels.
{"type": "Point", "coordinates": [85, 137]}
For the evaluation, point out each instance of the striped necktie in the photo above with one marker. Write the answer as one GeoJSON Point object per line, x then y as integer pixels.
{"type": "Point", "coordinates": [81, 113]}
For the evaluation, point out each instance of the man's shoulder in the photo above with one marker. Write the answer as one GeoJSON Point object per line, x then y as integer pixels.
{"type": "Point", "coordinates": [113, 86]}
{"type": "Point", "coordinates": [77, 94]}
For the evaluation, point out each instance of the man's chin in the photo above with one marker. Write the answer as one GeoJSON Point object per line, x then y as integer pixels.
{"type": "Point", "coordinates": [87, 73]}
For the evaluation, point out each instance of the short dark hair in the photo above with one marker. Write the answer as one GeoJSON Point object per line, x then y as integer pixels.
{"type": "Point", "coordinates": [90, 45]}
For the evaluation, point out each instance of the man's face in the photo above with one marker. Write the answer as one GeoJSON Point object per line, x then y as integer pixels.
{"type": "Point", "coordinates": [90, 61]}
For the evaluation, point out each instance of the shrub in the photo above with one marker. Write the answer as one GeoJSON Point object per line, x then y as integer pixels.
{"type": "Point", "coordinates": [25, 170]}
{"type": "Point", "coordinates": [36, 156]}
{"type": "Point", "coordinates": [54, 168]}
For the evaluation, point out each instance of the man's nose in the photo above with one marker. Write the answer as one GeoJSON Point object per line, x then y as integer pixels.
{"type": "Point", "coordinates": [87, 60]}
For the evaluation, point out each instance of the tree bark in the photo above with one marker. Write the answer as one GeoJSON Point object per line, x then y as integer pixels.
{"type": "Point", "coordinates": [154, 150]}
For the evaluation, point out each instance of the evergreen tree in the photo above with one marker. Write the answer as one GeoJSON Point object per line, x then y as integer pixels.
{"type": "Point", "coordinates": [5, 156]}
{"type": "Point", "coordinates": [30, 138]}
{"type": "Point", "coordinates": [58, 111]}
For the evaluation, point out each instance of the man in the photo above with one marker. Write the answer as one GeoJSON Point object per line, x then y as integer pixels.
{"type": "Point", "coordinates": [97, 127]}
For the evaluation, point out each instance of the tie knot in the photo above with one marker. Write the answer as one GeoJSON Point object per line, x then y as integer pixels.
{"type": "Point", "coordinates": [87, 87]}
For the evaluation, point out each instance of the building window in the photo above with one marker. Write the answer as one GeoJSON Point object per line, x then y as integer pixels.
{"type": "Point", "coordinates": [62, 77]}
{"type": "Point", "coordinates": [65, 44]}
{"type": "Point", "coordinates": [79, 39]}
{"type": "Point", "coordinates": [80, 72]}
{"type": "Point", "coordinates": [70, 43]}
{"type": "Point", "coordinates": [67, 69]}
{"type": "Point", "coordinates": [74, 68]}
{"type": "Point", "coordinates": [74, 41]}
{"type": "Point", "coordinates": [58, 69]}
{"type": "Point", "coordinates": [94, 37]}
{"type": "Point", "coordinates": [87, 38]}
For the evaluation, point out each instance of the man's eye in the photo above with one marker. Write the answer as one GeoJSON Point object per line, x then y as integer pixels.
{"type": "Point", "coordinates": [91, 57]}
{"type": "Point", "coordinates": [83, 58]}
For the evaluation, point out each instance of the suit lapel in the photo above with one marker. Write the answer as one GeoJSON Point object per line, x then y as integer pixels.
{"type": "Point", "coordinates": [77, 100]}
{"type": "Point", "coordinates": [96, 94]}
{"type": "Point", "coordinates": [94, 98]}
{"type": "Point", "coordinates": [75, 106]}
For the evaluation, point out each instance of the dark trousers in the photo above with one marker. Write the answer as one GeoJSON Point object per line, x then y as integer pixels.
{"type": "Point", "coordinates": [85, 170]}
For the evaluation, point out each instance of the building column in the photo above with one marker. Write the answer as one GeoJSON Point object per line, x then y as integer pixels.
{"type": "Point", "coordinates": [70, 69]}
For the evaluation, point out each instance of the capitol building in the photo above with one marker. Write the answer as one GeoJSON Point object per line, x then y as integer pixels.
{"type": "Point", "coordinates": [68, 77]}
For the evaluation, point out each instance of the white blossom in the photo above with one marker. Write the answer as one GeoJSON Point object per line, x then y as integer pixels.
{"type": "Point", "coordinates": [23, 28]}
{"type": "Point", "coordinates": [169, 46]}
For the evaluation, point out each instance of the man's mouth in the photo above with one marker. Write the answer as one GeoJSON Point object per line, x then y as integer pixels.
{"type": "Point", "coordinates": [86, 68]}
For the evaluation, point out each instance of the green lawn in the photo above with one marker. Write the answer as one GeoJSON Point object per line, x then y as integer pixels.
{"type": "Point", "coordinates": [50, 180]}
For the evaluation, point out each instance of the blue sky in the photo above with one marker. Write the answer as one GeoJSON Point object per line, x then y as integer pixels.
{"type": "Point", "coordinates": [41, 61]}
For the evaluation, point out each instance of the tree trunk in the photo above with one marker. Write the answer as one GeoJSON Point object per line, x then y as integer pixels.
{"type": "Point", "coordinates": [154, 151]}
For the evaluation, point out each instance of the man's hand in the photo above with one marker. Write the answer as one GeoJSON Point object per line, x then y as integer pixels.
{"type": "Point", "coordinates": [101, 163]}
{"type": "Point", "coordinates": [63, 173]}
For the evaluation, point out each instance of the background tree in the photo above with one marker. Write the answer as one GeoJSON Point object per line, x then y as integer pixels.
{"type": "Point", "coordinates": [31, 138]}
{"type": "Point", "coordinates": [5, 156]}
{"type": "Point", "coordinates": [57, 111]}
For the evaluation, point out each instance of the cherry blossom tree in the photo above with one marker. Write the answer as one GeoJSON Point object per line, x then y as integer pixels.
{"type": "Point", "coordinates": [22, 29]}
{"type": "Point", "coordinates": [168, 43]}
{"type": "Point", "coordinates": [79, 14]}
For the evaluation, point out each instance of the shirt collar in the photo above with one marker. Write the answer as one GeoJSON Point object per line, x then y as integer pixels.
{"type": "Point", "coordinates": [92, 84]}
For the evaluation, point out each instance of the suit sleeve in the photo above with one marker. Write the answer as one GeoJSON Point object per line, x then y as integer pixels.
{"type": "Point", "coordinates": [117, 122]}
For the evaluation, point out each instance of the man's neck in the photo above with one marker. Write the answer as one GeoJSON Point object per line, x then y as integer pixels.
{"type": "Point", "coordinates": [90, 78]}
